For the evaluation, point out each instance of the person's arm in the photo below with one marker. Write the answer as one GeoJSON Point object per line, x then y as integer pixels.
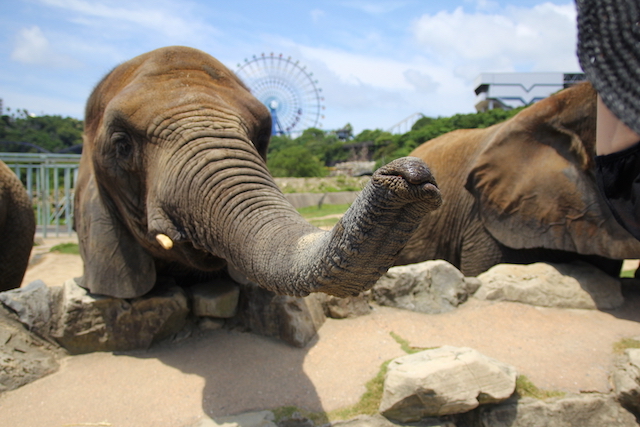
{"type": "Point", "coordinates": [611, 134]}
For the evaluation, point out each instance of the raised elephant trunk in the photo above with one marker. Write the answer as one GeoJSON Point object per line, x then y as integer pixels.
{"type": "Point", "coordinates": [173, 177]}
{"type": "Point", "coordinates": [243, 218]}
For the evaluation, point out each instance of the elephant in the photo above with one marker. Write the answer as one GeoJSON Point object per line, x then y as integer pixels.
{"type": "Point", "coordinates": [173, 182]}
{"type": "Point", "coordinates": [17, 229]}
{"type": "Point", "coordinates": [521, 191]}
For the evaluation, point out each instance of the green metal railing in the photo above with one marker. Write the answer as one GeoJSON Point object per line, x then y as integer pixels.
{"type": "Point", "coordinates": [50, 182]}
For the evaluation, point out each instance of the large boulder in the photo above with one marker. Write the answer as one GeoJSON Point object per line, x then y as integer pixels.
{"type": "Point", "coordinates": [378, 420]}
{"type": "Point", "coordinates": [443, 381]}
{"type": "Point", "coordinates": [427, 287]}
{"type": "Point", "coordinates": [576, 285]}
{"type": "Point", "coordinates": [294, 320]}
{"type": "Point", "coordinates": [626, 380]}
{"type": "Point", "coordinates": [217, 299]}
{"type": "Point", "coordinates": [24, 357]}
{"type": "Point", "coordinates": [86, 323]}
{"type": "Point", "coordinates": [34, 304]}
{"type": "Point", "coordinates": [588, 410]}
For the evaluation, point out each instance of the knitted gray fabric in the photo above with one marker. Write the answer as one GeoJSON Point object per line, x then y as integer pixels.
{"type": "Point", "coordinates": [609, 53]}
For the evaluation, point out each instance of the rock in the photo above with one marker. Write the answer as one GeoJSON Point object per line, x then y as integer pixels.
{"type": "Point", "coordinates": [210, 324]}
{"type": "Point", "coordinates": [33, 304]}
{"type": "Point", "coordinates": [249, 419]}
{"type": "Point", "coordinates": [345, 308]}
{"type": "Point", "coordinates": [295, 420]}
{"type": "Point", "coordinates": [427, 287]}
{"type": "Point", "coordinates": [589, 410]}
{"type": "Point", "coordinates": [443, 381]}
{"type": "Point", "coordinates": [294, 320]}
{"type": "Point", "coordinates": [626, 380]}
{"type": "Point", "coordinates": [380, 421]}
{"type": "Point", "coordinates": [24, 357]}
{"type": "Point", "coordinates": [87, 323]}
{"type": "Point", "coordinates": [215, 299]}
{"type": "Point", "coordinates": [576, 285]}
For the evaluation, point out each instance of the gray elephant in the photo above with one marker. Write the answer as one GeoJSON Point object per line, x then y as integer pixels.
{"type": "Point", "coordinates": [173, 181]}
{"type": "Point", "coordinates": [521, 191]}
{"type": "Point", "coordinates": [17, 229]}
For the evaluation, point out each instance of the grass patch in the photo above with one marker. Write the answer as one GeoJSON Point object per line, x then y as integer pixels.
{"type": "Point", "coordinates": [318, 418]}
{"type": "Point", "coordinates": [324, 210]}
{"type": "Point", "coordinates": [369, 401]}
{"type": "Point", "coordinates": [322, 185]}
{"type": "Point", "coordinates": [368, 404]}
{"type": "Point", "coordinates": [627, 274]}
{"type": "Point", "coordinates": [311, 212]}
{"type": "Point", "coordinates": [66, 248]}
{"type": "Point", "coordinates": [525, 388]}
{"type": "Point", "coordinates": [404, 344]}
{"type": "Point", "coordinates": [625, 343]}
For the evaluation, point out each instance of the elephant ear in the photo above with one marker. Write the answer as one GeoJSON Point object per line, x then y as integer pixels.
{"type": "Point", "coordinates": [534, 186]}
{"type": "Point", "coordinates": [114, 263]}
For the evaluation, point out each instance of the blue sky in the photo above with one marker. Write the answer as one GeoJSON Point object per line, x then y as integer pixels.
{"type": "Point", "coordinates": [377, 62]}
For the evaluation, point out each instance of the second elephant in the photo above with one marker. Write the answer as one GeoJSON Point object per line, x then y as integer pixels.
{"type": "Point", "coordinates": [521, 191]}
{"type": "Point", "coordinates": [17, 229]}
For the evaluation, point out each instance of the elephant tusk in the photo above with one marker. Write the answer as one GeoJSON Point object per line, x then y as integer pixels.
{"type": "Point", "coordinates": [165, 241]}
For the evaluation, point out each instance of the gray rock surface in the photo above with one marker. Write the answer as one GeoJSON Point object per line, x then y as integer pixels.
{"type": "Point", "coordinates": [86, 323]}
{"type": "Point", "coordinates": [24, 357]}
{"type": "Point", "coordinates": [34, 304]}
{"type": "Point", "coordinates": [576, 285]}
{"type": "Point", "coordinates": [292, 319]}
{"type": "Point", "coordinates": [443, 381]}
{"type": "Point", "coordinates": [380, 421]}
{"type": "Point", "coordinates": [345, 308]}
{"type": "Point", "coordinates": [249, 419]}
{"type": "Point", "coordinates": [427, 287]}
{"type": "Point", "coordinates": [588, 410]}
{"type": "Point", "coordinates": [215, 299]}
{"type": "Point", "coordinates": [626, 380]}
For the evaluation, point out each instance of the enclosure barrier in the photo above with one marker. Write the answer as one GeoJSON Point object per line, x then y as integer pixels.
{"type": "Point", "coordinates": [50, 182]}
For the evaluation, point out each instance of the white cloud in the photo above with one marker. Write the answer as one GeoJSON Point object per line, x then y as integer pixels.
{"type": "Point", "coordinates": [160, 17]}
{"type": "Point", "coordinates": [359, 69]}
{"type": "Point", "coordinates": [422, 82]}
{"type": "Point", "coordinates": [33, 48]}
{"type": "Point", "coordinates": [541, 38]}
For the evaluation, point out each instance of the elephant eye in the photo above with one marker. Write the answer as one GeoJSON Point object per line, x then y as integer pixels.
{"type": "Point", "coordinates": [122, 144]}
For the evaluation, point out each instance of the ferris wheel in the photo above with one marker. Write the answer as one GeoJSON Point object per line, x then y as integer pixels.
{"type": "Point", "coordinates": [287, 89]}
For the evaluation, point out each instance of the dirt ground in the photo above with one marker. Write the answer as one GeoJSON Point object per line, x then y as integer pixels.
{"type": "Point", "coordinates": [219, 373]}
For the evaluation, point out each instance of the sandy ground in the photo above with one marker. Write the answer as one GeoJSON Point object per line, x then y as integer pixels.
{"type": "Point", "coordinates": [219, 373]}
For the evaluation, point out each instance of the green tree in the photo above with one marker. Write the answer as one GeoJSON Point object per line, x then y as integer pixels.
{"type": "Point", "coordinates": [295, 161]}
{"type": "Point", "coordinates": [325, 146]}
{"type": "Point", "coordinates": [52, 133]}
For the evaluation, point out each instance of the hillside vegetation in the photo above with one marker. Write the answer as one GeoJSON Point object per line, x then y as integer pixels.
{"type": "Point", "coordinates": [309, 155]}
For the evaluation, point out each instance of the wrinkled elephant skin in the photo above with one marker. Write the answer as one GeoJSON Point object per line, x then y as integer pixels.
{"type": "Point", "coordinates": [173, 179]}
{"type": "Point", "coordinates": [17, 229]}
{"type": "Point", "coordinates": [521, 191]}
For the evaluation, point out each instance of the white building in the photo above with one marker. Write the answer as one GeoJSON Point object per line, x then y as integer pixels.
{"type": "Point", "coordinates": [512, 90]}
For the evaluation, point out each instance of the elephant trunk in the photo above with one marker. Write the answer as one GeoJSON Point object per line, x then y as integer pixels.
{"type": "Point", "coordinates": [236, 212]}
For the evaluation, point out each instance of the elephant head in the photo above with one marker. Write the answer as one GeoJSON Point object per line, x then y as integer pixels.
{"type": "Point", "coordinates": [521, 191]}
{"type": "Point", "coordinates": [173, 177]}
